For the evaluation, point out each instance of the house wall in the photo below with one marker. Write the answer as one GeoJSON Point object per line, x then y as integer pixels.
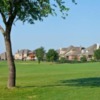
{"type": "Point", "coordinates": [18, 56]}
{"type": "Point", "coordinates": [25, 56]}
{"type": "Point", "coordinates": [3, 56]}
{"type": "Point", "coordinates": [72, 57]}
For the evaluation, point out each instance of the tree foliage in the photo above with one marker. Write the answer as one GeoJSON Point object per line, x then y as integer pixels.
{"type": "Point", "coordinates": [52, 55]}
{"type": "Point", "coordinates": [31, 10]}
{"type": "Point", "coordinates": [97, 54]}
{"type": "Point", "coordinates": [40, 54]}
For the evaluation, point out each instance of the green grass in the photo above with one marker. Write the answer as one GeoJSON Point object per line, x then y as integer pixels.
{"type": "Point", "coordinates": [47, 81]}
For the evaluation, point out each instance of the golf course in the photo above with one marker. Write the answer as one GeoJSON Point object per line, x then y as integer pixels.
{"type": "Point", "coordinates": [51, 81]}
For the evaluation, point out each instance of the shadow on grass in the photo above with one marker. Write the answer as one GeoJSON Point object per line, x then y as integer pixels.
{"type": "Point", "coordinates": [92, 82]}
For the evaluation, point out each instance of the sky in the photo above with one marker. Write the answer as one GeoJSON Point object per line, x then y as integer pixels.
{"type": "Point", "coordinates": [81, 28]}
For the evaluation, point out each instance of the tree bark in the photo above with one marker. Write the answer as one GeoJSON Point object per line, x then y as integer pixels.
{"type": "Point", "coordinates": [11, 65]}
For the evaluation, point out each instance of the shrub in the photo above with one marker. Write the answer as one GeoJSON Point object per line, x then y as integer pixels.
{"type": "Point", "coordinates": [62, 60]}
{"type": "Point", "coordinates": [97, 54]}
{"type": "Point", "coordinates": [83, 59]}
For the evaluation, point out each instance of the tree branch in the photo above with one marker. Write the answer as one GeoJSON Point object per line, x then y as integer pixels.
{"type": "Point", "coordinates": [12, 16]}
{"type": "Point", "coordinates": [2, 30]}
{"type": "Point", "coordinates": [3, 17]}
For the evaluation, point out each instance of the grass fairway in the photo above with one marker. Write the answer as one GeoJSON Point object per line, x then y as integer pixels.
{"type": "Point", "coordinates": [47, 81]}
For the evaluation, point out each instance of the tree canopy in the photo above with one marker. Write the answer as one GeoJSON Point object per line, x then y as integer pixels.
{"type": "Point", "coordinates": [52, 55]}
{"type": "Point", "coordinates": [40, 54]}
{"type": "Point", "coordinates": [97, 54]}
{"type": "Point", "coordinates": [30, 10]}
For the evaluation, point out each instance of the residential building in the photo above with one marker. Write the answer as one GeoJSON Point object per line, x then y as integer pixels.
{"type": "Point", "coordinates": [3, 56]}
{"type": "Point", "coordinates": [24, 54]}
{"type": "Point", "coordinates": [75, 53]}
{"type": "Point", "coordinates": [89, 52]}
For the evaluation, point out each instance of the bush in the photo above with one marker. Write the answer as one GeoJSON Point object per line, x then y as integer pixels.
{"type": "Point", "coordinates": [83, 59]}
{"type": "Point", "coordinates": [62, 60]}
{"type": "Point", "coordinates": [97, 54]}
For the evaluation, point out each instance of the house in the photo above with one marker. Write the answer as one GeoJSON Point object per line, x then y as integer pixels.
{"type": "Point", "coordinates": [3, 56]}
{"type": "Point", "coordinates": [24, 54]}
{"type": "Point", "coordinates": [75, 53]}
{"type": "Point", "coordinates": [62, 52]}
{"type": "Point", "coordinates": [70, 53]}
{"type": "Point", "coordinates": [31, 56]}
{"type": "Point", "coordinates": [89, 52]}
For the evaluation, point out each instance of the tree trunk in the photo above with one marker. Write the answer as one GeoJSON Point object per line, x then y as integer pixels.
{"type": "Point", "coordinates": [10, 60]}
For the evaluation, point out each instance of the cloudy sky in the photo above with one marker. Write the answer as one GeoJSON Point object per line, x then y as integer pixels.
{"type": "Point", "coordinates": [81, 28]}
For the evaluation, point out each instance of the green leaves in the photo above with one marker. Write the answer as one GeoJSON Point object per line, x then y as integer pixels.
{"type": "Point", "coordinates": [97, 54]}
{"type": "Point", "coordinates": [40, 53]}
{"type": "Point", "coordinates": [52, 55]}
{"type": "Point", "coordinates": [32, 10]}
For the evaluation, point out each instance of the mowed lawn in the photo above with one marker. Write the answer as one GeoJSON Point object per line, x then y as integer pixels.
{"type": "Point", "coordinates": [47, 81]}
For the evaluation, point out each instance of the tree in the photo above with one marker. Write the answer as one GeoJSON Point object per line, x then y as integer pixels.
{"type": "Point", "coordinates": [40, 54]}
{"type": "Point", "coordinates": [52, 55]}
{"type": "Point", "coordinates": [97, 54]}
{"type": "Point", "coordinates": [24, 10]}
